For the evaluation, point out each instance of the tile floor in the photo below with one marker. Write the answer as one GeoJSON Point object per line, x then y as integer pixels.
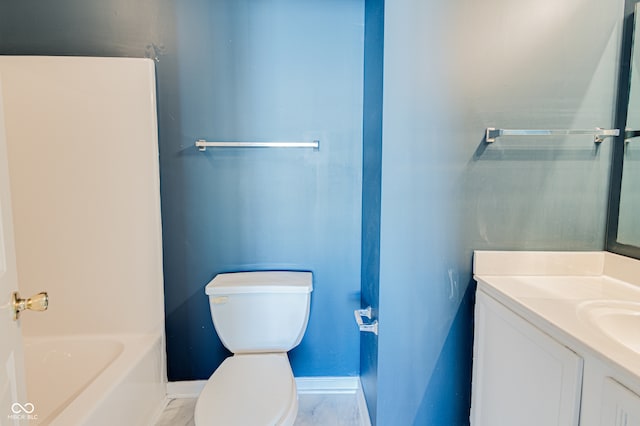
{"type": "Point", "coordinates": [314, 409]}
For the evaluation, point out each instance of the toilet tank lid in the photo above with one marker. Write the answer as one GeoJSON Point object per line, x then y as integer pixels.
{"type": "Point", "coordinates": [261, 282]}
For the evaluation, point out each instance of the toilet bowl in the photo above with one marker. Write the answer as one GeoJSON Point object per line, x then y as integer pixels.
{"type": "Point", "coordinates": [259, 316]}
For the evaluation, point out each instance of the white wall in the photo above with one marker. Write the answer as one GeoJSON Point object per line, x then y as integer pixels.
{"type": "Point", "coordinates": [83, 159]}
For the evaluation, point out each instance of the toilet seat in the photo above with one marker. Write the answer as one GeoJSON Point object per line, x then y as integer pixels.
{"type": "Point", "coordinates": [249, 389]}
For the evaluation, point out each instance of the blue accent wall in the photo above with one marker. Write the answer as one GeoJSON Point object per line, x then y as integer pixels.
{"type": "Point", "coordinates": [265, 70]}
{"type": "Point", "coordinates": [371, 186]}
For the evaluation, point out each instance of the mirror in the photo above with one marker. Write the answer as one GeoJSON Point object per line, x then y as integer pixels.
{"type": "Point", "coordinates": [628, 232]}
{"type": "Point", "coordinates": [624, 223]}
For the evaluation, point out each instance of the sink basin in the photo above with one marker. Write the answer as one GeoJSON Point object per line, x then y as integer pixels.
{"type": "Point", "coordinates": [618, 320]}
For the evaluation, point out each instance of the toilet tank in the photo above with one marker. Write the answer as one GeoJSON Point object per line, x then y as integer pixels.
{"type": "Point", "coordinates": [265, 311]}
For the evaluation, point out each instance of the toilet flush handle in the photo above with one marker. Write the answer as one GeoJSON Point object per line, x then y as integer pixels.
{"type": "Point", "coordinates": [368, 328]}
{"type": "Point", "coordinates": [221, 300]}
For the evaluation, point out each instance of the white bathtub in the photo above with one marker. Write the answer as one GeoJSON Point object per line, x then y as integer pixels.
{"type": "Point", "coordinates": [93, 381]}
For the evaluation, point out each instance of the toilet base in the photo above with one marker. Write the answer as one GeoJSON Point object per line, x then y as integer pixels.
{"type": "Point", "coordinates": [249, 389]}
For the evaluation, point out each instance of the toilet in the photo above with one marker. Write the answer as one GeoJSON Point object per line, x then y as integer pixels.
{"type": "Point", "coordinates": [259, 316]}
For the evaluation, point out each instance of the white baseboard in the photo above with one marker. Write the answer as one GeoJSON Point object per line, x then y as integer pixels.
{"type": "Point", "coordinates": [186, 389]}
{"type": "Point", "coordinates": [305, 385]}
{"type": "Point", "coordinates": [327, 384]}
{"type": "Point", "coordinates": [192, 388]}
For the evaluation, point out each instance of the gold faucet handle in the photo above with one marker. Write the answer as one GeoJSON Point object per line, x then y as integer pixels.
{"type": "Point", "coordinates": [38, 302]}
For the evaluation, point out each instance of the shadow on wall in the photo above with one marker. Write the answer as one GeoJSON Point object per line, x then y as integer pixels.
{"type": "Point", "coordinates": [451, 372]}
{"type": "Point", "coordinates": [203, 339]}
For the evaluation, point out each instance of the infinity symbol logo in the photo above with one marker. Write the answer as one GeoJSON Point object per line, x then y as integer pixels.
{"type": "Point", "coordinates": [18, 408]}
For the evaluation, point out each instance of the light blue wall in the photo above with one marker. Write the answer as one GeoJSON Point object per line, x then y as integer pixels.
{"type": "Point", "coordinates": [240, 70]}
{"type": "Point", "coordinates": [451, 69]}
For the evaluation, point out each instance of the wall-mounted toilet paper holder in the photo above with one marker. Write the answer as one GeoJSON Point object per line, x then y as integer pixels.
{"type": "Point", "coordinates": [366, 313]}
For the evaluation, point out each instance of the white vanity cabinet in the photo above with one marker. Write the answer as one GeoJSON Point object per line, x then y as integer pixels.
{"type": "Point", "coordinates": [609, 398]}
{"type": "Point", "coordinates": [557, 339]}
{"type": "Point", "coordinates": [620, 406]}
{"type": "Point", "coordinates": [521, 376]}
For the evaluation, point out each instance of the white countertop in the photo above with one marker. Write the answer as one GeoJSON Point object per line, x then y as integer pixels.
{"type": "Point", "coordinates": [554, 290]}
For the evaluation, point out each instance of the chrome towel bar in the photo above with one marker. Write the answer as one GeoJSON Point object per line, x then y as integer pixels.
{"type": "Point", "coordinates": [202, 145]}
{"type": "Point", "coordinates": [597, 133]}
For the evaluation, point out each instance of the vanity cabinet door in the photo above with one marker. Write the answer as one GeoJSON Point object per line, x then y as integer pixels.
{"type": "Point", "coordinates": [620, 406]}
{"type": "Point", "coordinates": [521, 376]}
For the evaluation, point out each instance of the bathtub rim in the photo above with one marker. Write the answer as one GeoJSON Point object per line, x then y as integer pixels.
{"type": "Point", "coordinates": [135, 348]}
